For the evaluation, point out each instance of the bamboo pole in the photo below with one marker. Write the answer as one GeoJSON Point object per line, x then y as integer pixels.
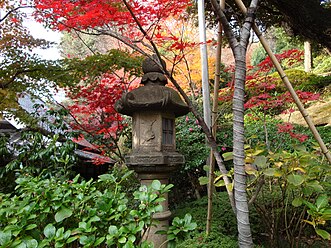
{"type": "Point", "coordinates": [211, 177]}
{"type": "Point", "coordinates": [204, 63]}
{"type": "Point", "coordinates": [289, 86]}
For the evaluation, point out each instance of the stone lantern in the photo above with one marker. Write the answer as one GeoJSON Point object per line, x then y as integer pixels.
{"type": "Point", "coordinates": [154, 108]}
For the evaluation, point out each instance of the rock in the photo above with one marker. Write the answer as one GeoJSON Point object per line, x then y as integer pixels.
{"type": "Point", "coordinates": [319, 112]}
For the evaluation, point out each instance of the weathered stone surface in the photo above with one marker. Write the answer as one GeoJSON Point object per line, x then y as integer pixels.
{"type": "Point", "coordinates": [319, 112]}
{"type": "Point", "coordinates": [150, 66]}
{"type": "Point", "coordinates": [153, 108]}
{"type": "Point", "coordinates": [147, 132]}
{"type": "Point", "coordinates": [154, 159]}
{"type": "Point", "coordinates": [154, 96]}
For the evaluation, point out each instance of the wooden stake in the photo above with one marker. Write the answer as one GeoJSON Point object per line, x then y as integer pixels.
{"type": "Point", "coordinates": [214, 122]}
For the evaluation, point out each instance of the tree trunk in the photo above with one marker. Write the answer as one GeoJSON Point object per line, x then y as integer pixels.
{"type": "Point", "coordinates": [239, 52]}
{"type": "Point", "coordinates": [240, 196]}
{"type": "Point", "coordinates": [308, 58]}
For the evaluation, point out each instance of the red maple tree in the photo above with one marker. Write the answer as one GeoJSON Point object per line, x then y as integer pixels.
{"type": "Point", "coordinates": [93, 104]}
{"type": "Point", "coordinates": [83, 15]}
{"type": "Point", "coordinates": [263, 94]}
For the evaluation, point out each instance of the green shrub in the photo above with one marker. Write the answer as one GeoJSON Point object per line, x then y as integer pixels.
{"type": "Point", "coordinates": [293, 190]}
{"type": "Point", "coordinates": [223, 218]}
{"type": "Point", "coordinates": [322, 64]}
{"type": "Point", "coordinates": [301, 80]}
{"type": "Point", "coordinates": [190, 141]}
{"type": "Point", "coordinates": [213, 240]}
{"type": "Point", "coordinates": [58, 213]}
{"type": "Point", "coordinates": [255, 134]}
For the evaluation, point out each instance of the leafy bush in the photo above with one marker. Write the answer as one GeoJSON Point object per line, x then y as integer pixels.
{"type": "Point", "coordinates": [224, 228]}
{"type": "Point", "coordinates": [283, 183]}
{"type": "Point", "coordinates": [223, 218]}
{"type": "Point", "coordinates": [213, 240]}
{"type": "Point", "coordinates": [179, 230]}
{"type": "Point", "coordinates": [322, 63]}
{"type": "Point", "coordinates": [256, 131]}
{"type": "Point", "coordinates": [191, 142]}
{"type": "Point", "coordinates": [302, 80]}
{"type": "Point", "coordinates": [57, 213]}
{"type": "Point", "coordinates": [36, 154]}
{"type": "Point", "coordinates": [41, 155]}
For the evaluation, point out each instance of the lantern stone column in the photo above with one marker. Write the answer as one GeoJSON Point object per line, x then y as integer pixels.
{"type": "Point", "coordinates": [154, 108]}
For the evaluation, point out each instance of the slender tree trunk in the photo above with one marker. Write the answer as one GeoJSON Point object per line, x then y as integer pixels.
{"type": "Point", "coordinates": [240, 196]}
{"type": "Point", "coordinates": [239, 52]}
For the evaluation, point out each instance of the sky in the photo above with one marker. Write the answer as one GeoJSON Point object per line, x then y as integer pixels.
{"type": "Point", "coordinates": [38, 31]}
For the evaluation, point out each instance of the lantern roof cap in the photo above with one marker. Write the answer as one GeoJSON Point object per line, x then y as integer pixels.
{"type": "Point", "coordinates": [154, 95]}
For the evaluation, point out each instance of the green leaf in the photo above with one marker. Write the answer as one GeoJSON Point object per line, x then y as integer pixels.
{"type": "Point", "coordinates": [206, 168]}
{"type": "Point", "coordinates": [72, 239]}
{"type": "Point", "coordinates": [161, 232]}
{"type": "Point", "coordinates": [107, 177]}
{"type": "Point", "coordinates": [98, 241]}
{"type": "Point", "coordinates": [156, 184]}
{"type": "Point", "coordinates": [203, 180]}
{"type": "Point", "coordinates": [310, 205]}
{"type": "Point", "coordinates": [5, 237]}
{"type": "Point", "coordinates": [327, 211]}
{"type": "Point", "coordinates": [171, 236]}
{"type": "Point", "coordinates": [32, 243]}
{"type": "Point", "coordinates": [94, 218]}
{"type": "Point", "coordinates": [260, 161]}
{"type": "Point", "coordinates": [316, 186]}
{"type": "Point", "coordinates": [30, 227]}
{"type": "Point", "coordinates": [112, 230]}
{"type": "Point", "coordinates": [49, 231]}
{"type": "Point", "coordinates": [296, 180]}
{"type": "Point", "coordinates": [63, 214]}
{"type": "Point", "coordinates": [227, 156]}
{"type": "Point", "coordinates": [188, 218]}
{"type": "Point", "coordinates": [83, 240]}
{"type": "Point", "coordinates": [168, 187]}
{"type": "Point", "coordinates": [59, 244]}
{"type": "Point", "coordinates": [59, 233]}
{"type": "Point", "coordinates": [220, 183]}
{"type": "Point", "coordinates": [324, 234]}
{"type": "Point", "coordinates": [122, 240]}
{"type": "Point", "coordinates": [270, 172]}
{"type": "Point", "coordinates": [191, 226]}
{"type": "Point", "coordinates": [126, 175]}
{"type": "Point", "coordinates": [67, 234]}
{"type": "Point", "coordinates": [322, 201]}
{"type": "Point", "coordinates": [297, 202]}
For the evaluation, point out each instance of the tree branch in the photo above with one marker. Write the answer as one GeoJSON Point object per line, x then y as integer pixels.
{"type": "Point", "coordinates": [14, 10]}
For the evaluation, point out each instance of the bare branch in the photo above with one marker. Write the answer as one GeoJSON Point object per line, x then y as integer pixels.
{"type": "Point", "coordinates": [14, 10]}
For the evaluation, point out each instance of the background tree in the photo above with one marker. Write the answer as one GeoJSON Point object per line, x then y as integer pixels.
{"type": "Point", "coordinates": [22, 71]}
{"type": "Point", "coordinates": [79, 45]}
